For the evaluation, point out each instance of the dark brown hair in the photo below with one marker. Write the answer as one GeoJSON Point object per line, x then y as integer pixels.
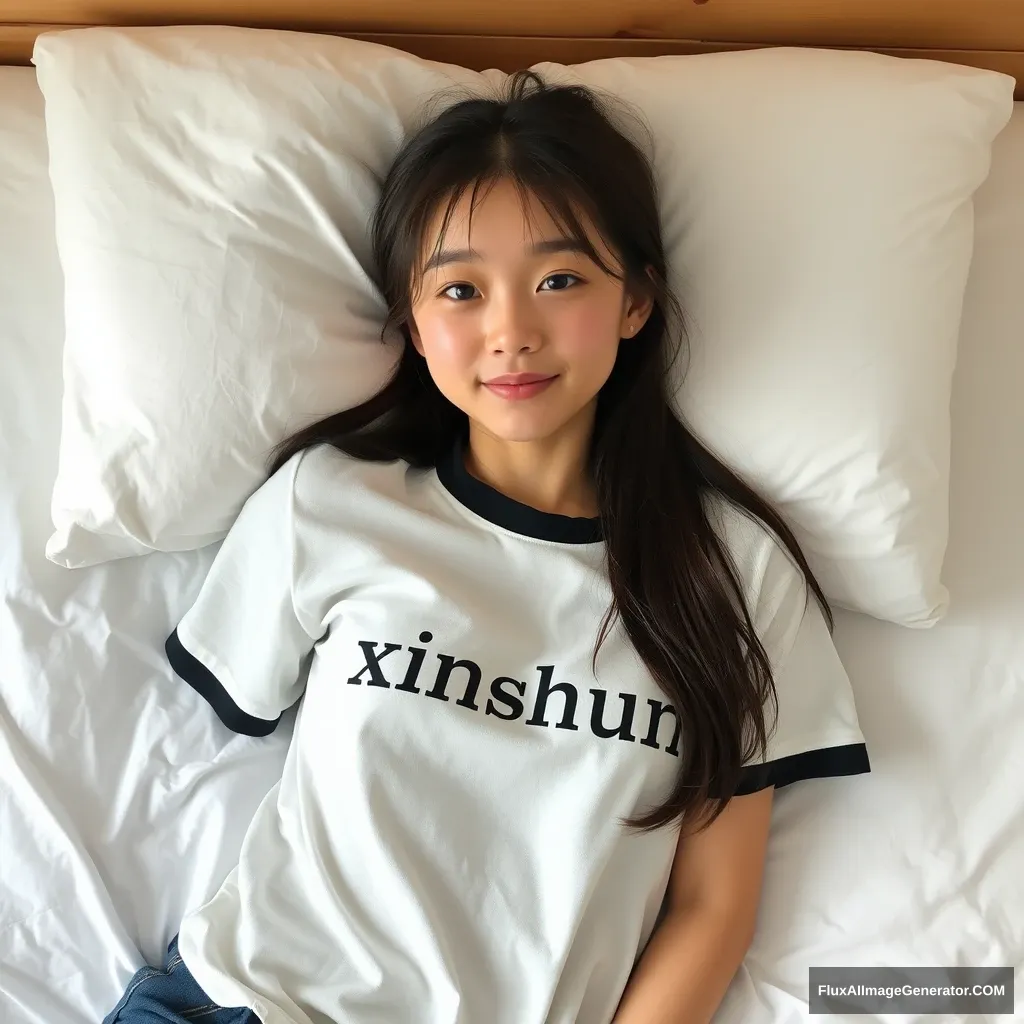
{"type": "Point", "coordinates": [673, 582]}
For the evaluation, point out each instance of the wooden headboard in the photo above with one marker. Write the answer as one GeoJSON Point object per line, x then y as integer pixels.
{"type": "Point", "coordinates": [516, 33]}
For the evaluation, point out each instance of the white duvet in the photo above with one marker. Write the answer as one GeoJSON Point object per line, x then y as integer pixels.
{"type": "Point", "coordinates": [123, 801]}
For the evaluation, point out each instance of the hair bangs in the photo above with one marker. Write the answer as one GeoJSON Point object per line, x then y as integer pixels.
{"type": "Point", "coordinates": [560, 196]}
{"type": "Point", "coordinates": [572, 210]}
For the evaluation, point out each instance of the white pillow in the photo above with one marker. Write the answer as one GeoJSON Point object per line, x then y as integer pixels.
{"type": "Point", "coordinates": [213, 189]}
{"type": "Point", "coordinates": [818, 217]}
{"type": "Point", "coordinates": [817, 210]}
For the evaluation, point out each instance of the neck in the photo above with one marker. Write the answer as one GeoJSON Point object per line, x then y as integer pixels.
{"type": "Point", "coordinates": [549, 474]}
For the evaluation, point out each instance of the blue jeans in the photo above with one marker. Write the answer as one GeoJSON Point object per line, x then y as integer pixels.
{"type": "Point", "coordinates": [172, 996]}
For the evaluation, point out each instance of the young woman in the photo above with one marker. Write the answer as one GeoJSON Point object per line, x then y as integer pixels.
{"type": "Point", "coordinates": [555, 657]}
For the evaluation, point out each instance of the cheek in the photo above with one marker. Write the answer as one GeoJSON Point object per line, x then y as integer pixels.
{"type": "Point", "coordinates": [449, 344]}
{"type": "Point", "coordinates": [588, 332]}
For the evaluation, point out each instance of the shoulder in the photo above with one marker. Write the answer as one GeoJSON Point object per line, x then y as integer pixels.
{"type": "Point", "coordinates": [328, 493]}
{"type": "Point", "coordinates": [314, 474]}
{"type": "Point", "coordinates": [313, 481]}
{"type": "Point", "coordinates": [773, 584]}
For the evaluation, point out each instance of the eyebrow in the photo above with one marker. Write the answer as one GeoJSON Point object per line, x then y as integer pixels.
{"type": "Point", "coordinates": [443, 257]}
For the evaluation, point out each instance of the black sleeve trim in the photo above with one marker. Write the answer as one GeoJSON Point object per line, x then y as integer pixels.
{"type": "Point", "coordinates": [206, 684]}
{"type": "Point", "coordinates": [850, 759]}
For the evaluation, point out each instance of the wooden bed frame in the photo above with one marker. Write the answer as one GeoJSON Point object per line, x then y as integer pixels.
{"type": "Point", "coordinates": [983, 33]}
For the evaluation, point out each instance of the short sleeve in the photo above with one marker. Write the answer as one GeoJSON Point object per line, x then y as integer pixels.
{"type": "Point", "coordinates": [814, 732]}
{"type": "Point", "coordinates": [242, 644]}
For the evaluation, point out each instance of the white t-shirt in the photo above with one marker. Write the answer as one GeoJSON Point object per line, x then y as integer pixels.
{"type": "Point", "coordinates": [445, 845]}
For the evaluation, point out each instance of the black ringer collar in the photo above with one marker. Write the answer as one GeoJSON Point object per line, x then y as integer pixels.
{"type": "Point", "coordinates": [506, 512]}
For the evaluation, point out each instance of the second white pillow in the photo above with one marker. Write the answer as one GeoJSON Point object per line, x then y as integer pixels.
{"type": "Point", "coordinates": [817, 212]}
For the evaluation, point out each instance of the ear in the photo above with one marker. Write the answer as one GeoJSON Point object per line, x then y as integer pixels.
{"type": "Point", "coordinates": [414, 335]}
{"type": "Point", "coordinates": [636, 308]}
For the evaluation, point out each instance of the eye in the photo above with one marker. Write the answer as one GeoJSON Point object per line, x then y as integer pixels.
{"type": "Point", "coordinates": [459, 292]}
{"type": "Point", "coordinates": [558, 282]}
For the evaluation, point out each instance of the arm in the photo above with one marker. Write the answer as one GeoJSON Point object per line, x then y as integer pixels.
{"type": "Point", "coordinates": [713, 895]}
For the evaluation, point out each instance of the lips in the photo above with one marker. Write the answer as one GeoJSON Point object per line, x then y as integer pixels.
{"type": "Point", "coordinates": [520, 378]}
{"type": "Point", "coordinates": [524, 385]}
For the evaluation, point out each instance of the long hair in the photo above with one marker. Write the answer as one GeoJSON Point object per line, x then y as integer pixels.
{"type": "Point", "coordinates": [673, 583]}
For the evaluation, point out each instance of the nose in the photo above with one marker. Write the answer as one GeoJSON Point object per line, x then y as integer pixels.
{"type": "Point", "coordinates": [512, 323]}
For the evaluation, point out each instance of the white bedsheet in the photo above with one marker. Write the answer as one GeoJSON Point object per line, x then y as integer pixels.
{"type": "Point", "coordinates": [123, 801]}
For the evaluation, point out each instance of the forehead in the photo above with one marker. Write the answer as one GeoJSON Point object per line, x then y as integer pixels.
{"type": "Point", "coordinates": [498, 215]}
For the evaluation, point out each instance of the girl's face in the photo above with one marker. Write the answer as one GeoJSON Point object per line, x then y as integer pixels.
{"type": "Point", "coordinates": [519, 298]}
